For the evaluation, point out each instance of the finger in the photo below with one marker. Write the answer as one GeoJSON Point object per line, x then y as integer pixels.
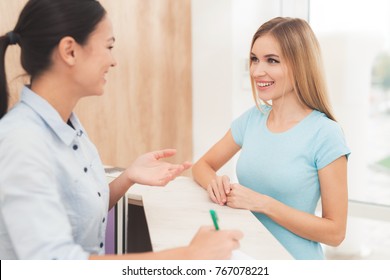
{"type": "Point", "coordinates": [174, 167]}
{"type": "Point", "coordinates": [212, 194]}
{"type": "Point", "coordinates": [206, 228]}
{"type": "Point", "coordinates": [234, 236]}
{"type": "Point", "coordinates": [187, 164]}
{"type": "Point", "coordinates": [215, 187]}
{"type": "Point", "coordinates": [237, 234]}
{"type": "Point", "coordinates": [181, 167]}
{"type": "Point", "coordinates": [236, 244]}
{"type": "Point", "coordinates": [221, 191]}
{"type": "Point", "coordinates": [164, 153]}
{"type": "Point", "coordinates": [226, 183]}
{"type": "Point", "coordinates": [230, 202]}
{"type": "Point", "coordinates": [166, 179]}
{"type": "Point", "coordinates": [171, 175]}
{"type": "Point", "coordinates": [163, 181]}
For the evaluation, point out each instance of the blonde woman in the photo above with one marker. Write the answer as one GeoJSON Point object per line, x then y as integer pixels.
{"type": "Point", "coordinates": [292, 150]}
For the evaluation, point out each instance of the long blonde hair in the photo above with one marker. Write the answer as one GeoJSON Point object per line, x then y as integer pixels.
{"type": "Point", "coordinates": [300, 49]}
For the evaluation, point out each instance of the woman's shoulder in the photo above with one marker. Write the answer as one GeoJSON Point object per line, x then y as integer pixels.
{"type": "Point", "coordinates": [324, 123]}
{"type": "Point", "coordinates": [326, 129]}
{"type": "Point", "coordinates": [21, 128]}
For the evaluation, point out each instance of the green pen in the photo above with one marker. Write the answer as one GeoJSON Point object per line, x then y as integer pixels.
{"type": "Point", "coordinates": [215, 219]}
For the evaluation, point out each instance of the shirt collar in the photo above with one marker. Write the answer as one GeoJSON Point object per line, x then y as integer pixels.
{"type": "Point", "coordinates": [51, 116]}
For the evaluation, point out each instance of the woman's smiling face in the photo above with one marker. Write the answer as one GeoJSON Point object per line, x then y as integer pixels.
{"type": "Point", "coordinates": [95, 59]}
{"type": "Point", "coordinates": [269, 69]}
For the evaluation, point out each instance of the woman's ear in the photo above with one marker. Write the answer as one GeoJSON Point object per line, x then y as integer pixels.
{"type": "Point", "coordinates": [67, 49]}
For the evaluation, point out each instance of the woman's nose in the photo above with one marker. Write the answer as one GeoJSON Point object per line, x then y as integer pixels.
{"type": "Point", "coordinates": [258, 69]}
{"type": "Point", "coordinates": [113, 61]}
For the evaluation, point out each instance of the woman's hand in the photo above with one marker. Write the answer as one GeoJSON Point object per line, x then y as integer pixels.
{"type": "Point", "coordinates": [245, 198]}
{"type": "Point", "coordinates": [147, 169]}
{"type": "Point", "coordinates": [218, 189]}
{"type": "Point", "coordinates": [209, 244]}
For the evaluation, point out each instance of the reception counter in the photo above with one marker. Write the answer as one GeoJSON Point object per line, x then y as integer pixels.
{"type": "Point", "coordinates": [175, 212]}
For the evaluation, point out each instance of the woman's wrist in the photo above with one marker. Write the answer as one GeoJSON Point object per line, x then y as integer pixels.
{"type": "Point", "coordinates": [263, 204]}
{"type": "Point", "coordinates": [128, 177]}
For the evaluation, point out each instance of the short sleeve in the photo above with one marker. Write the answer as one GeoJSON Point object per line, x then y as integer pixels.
{"type": "Point", "coordinates": [330, 145]}
{"type": "Point", "coordinates": [239, 126]}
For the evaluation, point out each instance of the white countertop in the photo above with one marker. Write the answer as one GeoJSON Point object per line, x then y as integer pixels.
{"type": "Point", "coordinates": [175, 212]}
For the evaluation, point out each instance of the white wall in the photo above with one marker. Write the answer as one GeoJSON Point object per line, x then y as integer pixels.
{"type": "Point", "coordinates": [247, 16]}
{"type": "Point", "coordinates": [222, 31]}
{"type": "Point", "coordinates": [212, 74]}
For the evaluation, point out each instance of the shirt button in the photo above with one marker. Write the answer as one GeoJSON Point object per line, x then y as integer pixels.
{"type": "Point", "coordinates": [101, 244]}
{"type": "Point", "coordinates": [99, 194]}
{"type": "Point", "coordinates": [104, 219]}
{"type": "Point", "coordinates": [75, 147]}
{"type": "Point", "coordinates": [85, 169]}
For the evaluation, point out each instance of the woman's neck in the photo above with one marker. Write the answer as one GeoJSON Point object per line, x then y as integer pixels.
{"type": "Point", "coordinates": [55, 91]}
{"type": "Point", "coordinates": [286, 114]}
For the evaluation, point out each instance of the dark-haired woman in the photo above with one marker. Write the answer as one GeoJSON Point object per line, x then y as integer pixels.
{"type": "Point", "coordinates": [54, 196]}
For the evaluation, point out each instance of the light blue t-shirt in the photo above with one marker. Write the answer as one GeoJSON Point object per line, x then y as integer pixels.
{"type": "Point", "coordinates": [285, 166]}
{"type": "Point", "coordinates": [53, 190]}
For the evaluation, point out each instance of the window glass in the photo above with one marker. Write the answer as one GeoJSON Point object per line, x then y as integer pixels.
{"type": "Point", "coordinates": [355, 40]}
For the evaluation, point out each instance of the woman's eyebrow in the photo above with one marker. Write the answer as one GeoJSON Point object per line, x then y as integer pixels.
{"type": "Point", "coordinates": [267, 55]}
{"type": "Point", "coordinates": [271, 55]}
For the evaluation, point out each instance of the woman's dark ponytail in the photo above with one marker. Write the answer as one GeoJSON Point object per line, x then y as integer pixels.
{"type": "Point", "coordinates": [8, 39]}
{"type": "Point", "coordinates": [40, 27]}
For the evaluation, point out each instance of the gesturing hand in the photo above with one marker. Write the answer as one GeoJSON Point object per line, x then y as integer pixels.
{"type": "Point", "coordinates": [147, 169]}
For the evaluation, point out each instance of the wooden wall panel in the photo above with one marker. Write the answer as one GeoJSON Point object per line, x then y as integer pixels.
{"type": "Point", "coordinates": [147, 104]}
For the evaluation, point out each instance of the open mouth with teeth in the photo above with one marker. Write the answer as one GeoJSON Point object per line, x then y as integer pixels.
{"type": "Point", "coordinates": [264, 84]}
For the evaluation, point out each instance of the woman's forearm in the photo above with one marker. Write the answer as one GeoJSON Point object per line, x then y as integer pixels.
{"type": "Point", "coordinates": [306, 225]}
{"type": "Point", "coordinates": [119, 187]}
{"type": "Point", "coordinates": [203, 173]}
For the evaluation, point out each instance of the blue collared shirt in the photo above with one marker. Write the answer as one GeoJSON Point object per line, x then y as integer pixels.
{"type": "Point", "coordinates": [53, 192]}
